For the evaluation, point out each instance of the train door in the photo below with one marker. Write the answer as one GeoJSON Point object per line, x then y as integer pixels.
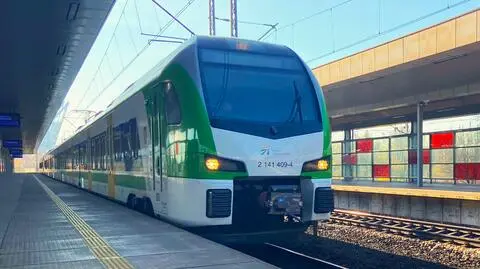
{"type": "Point", "coordinates": [79, 164]}
{"type": "Point", "coordinates": [155, 120]}
{"type": "Point", "coordinates": [108, 159]}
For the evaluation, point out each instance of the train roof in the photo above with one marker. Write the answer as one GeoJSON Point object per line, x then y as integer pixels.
{"type": "Point", "coordinates": [207, 42]}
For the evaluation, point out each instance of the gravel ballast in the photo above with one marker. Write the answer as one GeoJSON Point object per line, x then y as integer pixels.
{"type": "Point", "coordinates": [358, 247]}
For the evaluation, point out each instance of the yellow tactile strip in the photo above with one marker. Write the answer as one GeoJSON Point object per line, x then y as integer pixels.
{"type": "Point", "coordinates": [99, 247]}
{"type": "Point", "coordinates": [462, 195]}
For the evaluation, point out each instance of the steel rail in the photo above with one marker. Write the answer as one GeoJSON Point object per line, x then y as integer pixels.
{"type": "Point", "coordinates": [423, 229]}
{"type": "Point", "coordinates": [322, 263]}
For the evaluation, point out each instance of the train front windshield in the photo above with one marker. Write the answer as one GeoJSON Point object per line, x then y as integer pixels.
{"type": "Point", "coordinates": [258, 94]}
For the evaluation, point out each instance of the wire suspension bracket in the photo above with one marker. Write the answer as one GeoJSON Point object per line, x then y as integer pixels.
{"type": "Point", "coordinates": [173, 17]}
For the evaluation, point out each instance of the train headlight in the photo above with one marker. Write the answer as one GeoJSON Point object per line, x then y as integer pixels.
{"type": "Point", "coordinates": [214, 163]}
{"type": "Point", "coordinates": [322, 164]}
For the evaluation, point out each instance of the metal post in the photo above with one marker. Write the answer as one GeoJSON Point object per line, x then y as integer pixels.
{"type": "Point", "coordinates": [412, 144]}
{"type": "Point", "coordinates": [211, 17]}
{"type": "Point", "coordinates": [420, 106]}
{"type": "Point", "coordinates": [233, 18]}
{"type": "Point", "coordinates": [347, 149]}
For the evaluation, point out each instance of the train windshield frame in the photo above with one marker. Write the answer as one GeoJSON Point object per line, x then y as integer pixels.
{"type": "Point", "coordinates": [257, 93]}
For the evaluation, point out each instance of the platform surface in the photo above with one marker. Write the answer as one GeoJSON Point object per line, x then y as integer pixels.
{"type": "Point", "coordinates": [48, 224]}
{"type": "Point", "coordinates": [435, 190]}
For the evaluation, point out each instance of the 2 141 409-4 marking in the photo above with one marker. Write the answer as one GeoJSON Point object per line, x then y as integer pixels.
{"type": "Point", "coordinates": [281, 164]}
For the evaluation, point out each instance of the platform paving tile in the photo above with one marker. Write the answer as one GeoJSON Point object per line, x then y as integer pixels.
{"type": "Point", "coordinates": [197, 258]}
{"type": "Point", "coordinates": [86, 264]}
{"type": "Point", "coordinates": [43, 257]}
{"type": "Point", "coordinates": [39, 236]}
{"type": "Point", "coordinates": [25, 246]}
{"type": "Point", "coordinates": [161, 245]}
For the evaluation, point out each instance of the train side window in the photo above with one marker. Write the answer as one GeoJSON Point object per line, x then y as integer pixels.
{"type": "Point", "coordinates": [172, 105]}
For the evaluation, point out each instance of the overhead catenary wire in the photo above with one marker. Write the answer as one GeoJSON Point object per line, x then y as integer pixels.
{"type": "Point", "coordinates": [312, 15]}
{"type": "Point", "coordinates": [173, 17]}
{"type": "Point", "coordinates": [380, 33]}
{"type": "Point", "coordinates": [103, 57]}
{"type": "Point", "coordinates": [162, 30]}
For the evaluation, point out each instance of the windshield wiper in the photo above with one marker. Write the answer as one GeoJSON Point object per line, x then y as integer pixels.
{"type": "Point", "coordinates": [296, 109]}
{"type": "Point", "coordinates": [226, 76]}
{"type": "Point", "coordinates": [297, 105]}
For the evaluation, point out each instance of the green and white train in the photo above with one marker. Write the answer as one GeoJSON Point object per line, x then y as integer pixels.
{"type": "Point", "coordinates": [224, 133]}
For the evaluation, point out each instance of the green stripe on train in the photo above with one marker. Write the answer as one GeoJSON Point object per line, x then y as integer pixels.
{"type": "Point", "coordinates": [128, 181]}
{"type": "Point", "coordinates": [187, 143]}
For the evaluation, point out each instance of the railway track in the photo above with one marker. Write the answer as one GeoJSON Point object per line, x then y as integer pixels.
{"type": "Point", "coordinates": [423, 229]}
{"type": "Point", "coordinates": [285, 258]}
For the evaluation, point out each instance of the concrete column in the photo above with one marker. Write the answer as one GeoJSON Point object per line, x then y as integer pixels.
{"type": "Point", "coordinates": [9, 165]}
{"type": "Point", "coordinates": [420, 106]}
{"type": "Point", "coordinates": [347, 148]}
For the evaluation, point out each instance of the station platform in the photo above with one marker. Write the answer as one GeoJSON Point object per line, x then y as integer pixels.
{"type": "Point", "coordinates": [48, 224]}
{"type": "Point", "coordinates": [432, 190]}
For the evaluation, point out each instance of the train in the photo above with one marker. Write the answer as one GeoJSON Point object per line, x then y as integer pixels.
{"type": "Point", "coordinates": [225, 134]}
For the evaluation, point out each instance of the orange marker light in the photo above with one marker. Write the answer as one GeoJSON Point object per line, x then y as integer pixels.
{"type": "Point", "coordinates": [322, 165]}
{"type": "Point", "coordinates": [212, 164]}
{"type": "Point", "coordinates": [242, 46]}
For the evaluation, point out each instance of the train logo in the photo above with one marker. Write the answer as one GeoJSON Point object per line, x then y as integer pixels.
{"type": "Point", "coordinates": [265, 151]}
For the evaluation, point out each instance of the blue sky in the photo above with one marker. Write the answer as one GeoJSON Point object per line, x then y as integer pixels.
{"type": "Point", "coordinates": [319, 30]}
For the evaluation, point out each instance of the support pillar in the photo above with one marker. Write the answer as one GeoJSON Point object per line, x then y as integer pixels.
{"type": "Point", "coordinates": [233, 18]}
{"type": "Point", "coordinates": [211, 17]}
{"type": "Point", "coordinates": [412, 145]}
{"type": "Point", "coordinates": [347, 149]}
{"type": "Point", "coordinates": [419, 135]}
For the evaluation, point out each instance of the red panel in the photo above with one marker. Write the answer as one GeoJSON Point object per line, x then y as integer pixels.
{"type": "Point", "coordinates": [381, 170]}
{"type": "Point", "coordinates": [469, 171]}
{"type": "Point", "coordinates": [412, 156]}
{"type": "Point", "coordinates": [364, 145]}
{"type": "Point", "coordinates": [441, 140]}
{"type": "Point", "coordinates": [350, 159]}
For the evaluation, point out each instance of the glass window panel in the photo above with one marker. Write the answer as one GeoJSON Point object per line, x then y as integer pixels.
{"type": "Point", "coordinates": [380, 144]}
{"type": "Point", "coordinates": [383, 130]}
{"type": "Point", "coordinates": [350, 147]}
{"type": "Point", "coordinates": [364, 171]}
{"type": "Point", "coordinates": [364, 158]}
{"type": "Point", "coordinates": [337, 170]}
{"type": "Point", "coordinates": [365, 145]}
{"type": "Point", "coordinates": [441, 140]}
{"type": "Point", "coordinates": [399, 171]}
{"type": "Point", "coordinates": [381, 171]}
{"type": "Point", "coordinates": [354, 171]}
{"type": "Point", "coordinates": [338, 136]}
{"type": "Point", "coordinates": [426, 141]}
{"type": "Point", "coordinates": [426, 171]}
{"type": "Point", "coordinates": [442, 171]}
{"type": "Point", "coordinates": [399, 157]}
{"type": "Point", "coordinates": [467, 139]}
{"type": "Point", "coordinates": [381, 158]}
{"type": "Point", "coordinates": [467, 155]}
{"type": "Point", "coordinates": [453, 123]}
{"type": "Point", "coordinates": [412, 156]}
{"type": "Point", "coordinates": [337, 147]}
{"type": "Point", "coordinates": [468, 171]}
{"type": "Point", "coordinates": [336, 159]}
{"type": "Point", "coordinates": [441, 156]}
{"type": "Point", "coordinates": [398, 143]}
{"type": "Point", "coordinates": [350, 159]}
